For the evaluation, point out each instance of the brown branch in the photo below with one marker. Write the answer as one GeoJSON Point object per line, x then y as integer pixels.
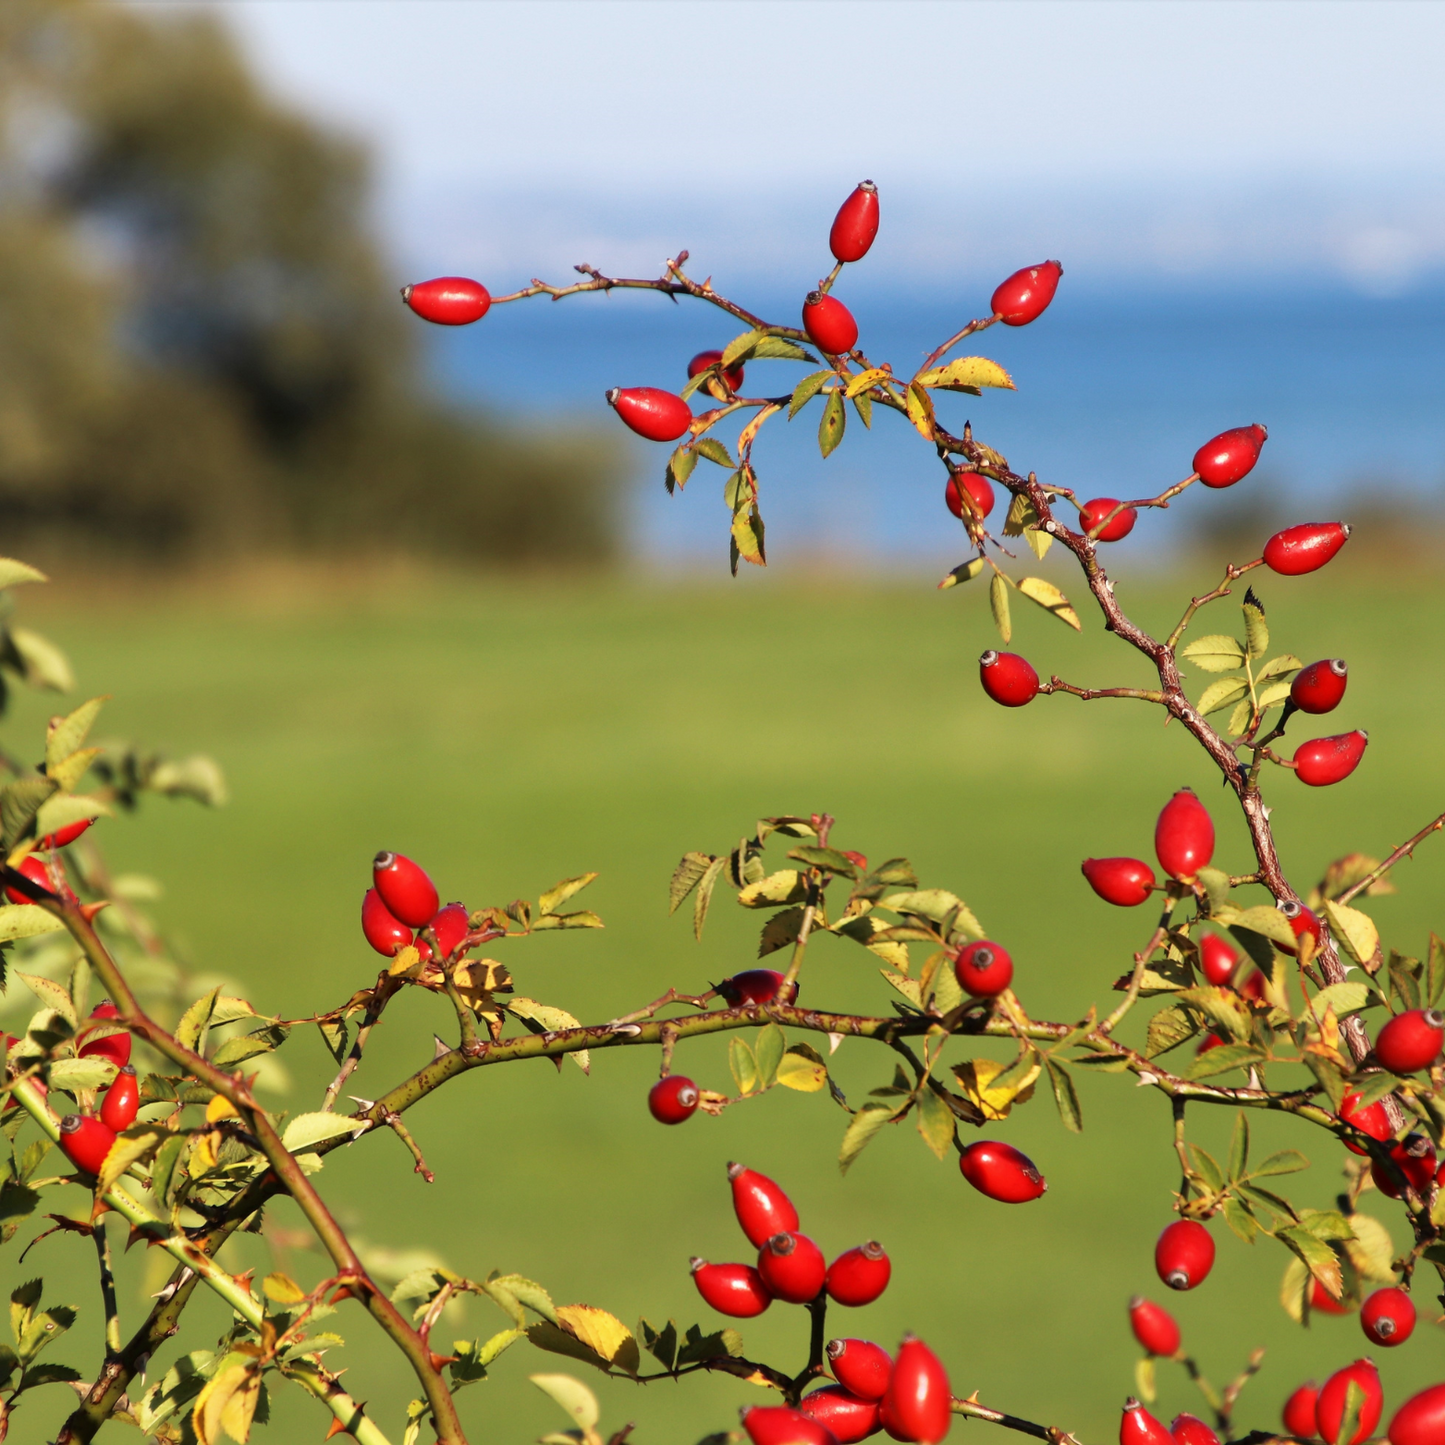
{"type": "Point", "coordinates": [1403, 851]}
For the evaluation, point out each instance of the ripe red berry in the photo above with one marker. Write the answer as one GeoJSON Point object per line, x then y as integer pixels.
{"type": "Point", "coordinates": [782, 1425]}
{"type": "Point", "coordinates": [1388, 1317]}
{"type": "Point", "coordinates": [1372, 1120]}
{"type": "Point", "coordinates": [856, 224]}
{"type": "Point", "coordinates": [1414, 1157]}
{"type": "Point", "coordinates": [1298, 1415]}
{"type": "Point", "coordinates": [1218, 959]}
{"type": "Point", "coordinates": [755, 985]}
{"type": "Point", "coordinates": [846, 1415]}
{"type": "Point", "coordinates": [1191, 1430]}
{"type": "Point", "coordinates": [731, 1289]}
{"type": "Point", "coordinates": [1323, 1302]}
{"type": "Point", "coordinates": [121, 1102]}
{"type": "Point", "coordinates": [1001, 1172]}
{"type": "Point", "coordinates": [1305, 548]}
{"type": "Point", "coordinates": [1154, 1327]}
{"type": "Point", "coordinates": [85, 1141]}
{"type": "Point", "coordinates": [829, 324]}
{"type": "Point", "coordinates": [63, 837]}
{"type": "Point", "coordinates": [673, 1100]}
{"type": "Point", "coordinates": [704, 359]}
{"type": "Point", "coordinates": [1411, 1041]}
{"type": "Point", "coordinates": [386, 933]}
{"type": "Point", "coordinates": [1138, 1427]}
{"type": "Point", "coordinates": [1094, 512]}
{"type": "Point", "coordinates": [660, 416]}
{"type": "Point", "coordinates": [1008, 678]}
{"type": "Point", "coordinates": [1224, 459]}
{"type": "Point", "coordinates": [449, 926]}
{"type": "Point", "coordinates": [36, 871]}
{"type": "Point", "coordinates": [859, 1275]}
{"type": "Point", "coordinates": [1301, 922]}
{"type": "Point", "coordinates": [115, 1047]}
{"type": "Point", "coordinates": [1330, 1406]}
{"type": "Point", "coordinates": [448, 300]}
{"type": "Point", "coordinates": [983, 969]}
{"type": "Point", "coordinates": [793, 1268]}
{"type": "Point", "coordinates": [1184, 1254]}
{"type": "Point", "coordinates": [762, 1208]}
{"type": "Point", "coordinates": [919, 1399]}
{"type": "Point", "coordinates": [1323, 761]}
{"type": "Point", "coordinates": [861, 1367]}
{"type": "Point", "coordinates": [889, 1421]}
{"type": "Point", "coordinates": [1421, 1419]}
{"type": "Point", "coordinates": [1126, 882]}
{"type": "Point", "coordinates": [1025, 295]}
{"type": "Point", "coordinates": [973, 485]}
{"type": "Point", "coordinates": [405, 889]}
{"type": "Point", "coordinates": [1320, 686]}
{"type": "Point", "coordinates": [1184, 835]}
{"type": "Point", "coordinates": [1210, 1040]}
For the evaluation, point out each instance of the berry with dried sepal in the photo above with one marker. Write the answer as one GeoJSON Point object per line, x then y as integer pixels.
{"type": "Point", "coordinates": [1373, 1120]}
{"type": "Point", "coordinates": [859, 1275]}
{"type": "Point", "coordinates": [1330, 1406]}
{"type": "Point", "coordinates": [861, 1367]}
{"type": "Point", "coordinates": [1184, 836]}
{"type": "Point", "coordinates": [115, 1047]}
{"type": "Point", "coordinates": [829, 324]}
{"type": "Point", "coordinates": [1225, 459]}
{"type": "Point", "coordinates": [383, 930]}
{"type": "Point", "coordinates": [1298, 1415]}
{"type": "Point", "coordinates": [1421, 1419]}
{"type": "Point", "coordinates": [657, 415]}
{"type": "Point", "coordinates": [1301, 921]}
{"type": "Point", "coordinates": [1218, 959]}
{"type": "Point", "coordinates": [1323, 761]}
{"type": "Point", "coordinates": [1008, 678]}
{"type": "Point", "coordinates": [1411, 1041]}
{"type": "Point", "coordinates": [983, 969]}
{"type": "Point", "coordinates": [1184, 1254]}
{"type": "Point", "coordinates": [1320, 686]}
{"type": "Point", "coordinates": [1025, 296]}
{"type": "Point", "coordinates": [733, 376]}
{"type": "Point", "coordinates": [1189, 1429]}
{"type": "Point", "coordinates": [918, 1398]}
{"type": "Point", "coordinates": [121, 1102]}
{"type": "Point", "coordinates": [1116, 529]}
{"type": "Point", "coordinates": [1001, 1172]}
{"type": "Point", "coordinates": [793, 1268]}
{"type": "Point", "coordinates": [1414, 1157]}
{"type": "Point", "coordinates": [1154, 1327]}
{"type": "Point", "coordinates": [856, 224]}
{"type": "Point", "coordinates": [1388, 1317]}
{"type": "Point", "coordinates": [448, 300]}
{"type": "Point", "coordinates": [64, 837]}
{"type": "Point", "coordinates": [405, 889]}
{"type": "Point", "coordinates": [673, 1100]}
{"type": "Point", "coordinates": [731, 1289]}
{"type": "Point", "coordinates": [449, 927]}
{"type": "Point", "coordinates": [1305, 548]}
{"type": "Point", "coordinates": [782, 1425]}
{"type": "Point", "coordinates": [762, 1208]}
{"type": "Point", "coordinates": [1138, 1427]}
{"type": "Point", "coordinates": [1126, 882]}
{"type": "Point", "coordinates": [756, 985]}
{"type": "Point", "coordinates": [85, 1141]}
{"type": "Point", "coordinates": [975, 487]}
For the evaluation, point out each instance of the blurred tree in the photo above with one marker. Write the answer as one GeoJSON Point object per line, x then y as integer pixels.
{"type": "Point", "coordinates": [200, 349]}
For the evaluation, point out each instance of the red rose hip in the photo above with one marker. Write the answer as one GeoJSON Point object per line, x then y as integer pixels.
{"type": "Point", "coordinates": [1218, 959]}
{"type": "Point", "coordinates": [782, 1425]}
{"type": "Point", "coordinates": [1184, 836]}
{"type": "Point", "coordinates": [704, 359]}
{"type": "Point", "coordinates": [1330, 1406]}
{"type": "Point", "coordinates": [85, 1141]}
{"type": "Point", "coordinates": [1116, 528]}
{"type": "Point", "coordinates": [121, 1102]}
{"type": "Point", "coordinates": [1323, 761]}
{"type": "Point", "coordinates": [1411, 1041]}
{"type": "Point", "coordinates": [1388, 1317]}
{"type": "Point", "coordinates": [385, 932]}
{"type": "Point", "coordinates": [1184, 1254]}
{"type": "Point", "coordinates": [1305, 548]}
{"type": "Point", "coordinates": [829, 324]}
{"type": "Point", "coordinates": [1138, 1427]}
{"type": "Point", "coordinates": [973, 486]}
{"type": "Point", "coordinates": [793, 1268]}
{"type": "Point", "coordinates": [918, 1399]}
{"type": "Point", "coordinates": [1025, 295]}
{"type": "Point", "coordinates": [405, 889]}
{"type": "Point", "coordinates": [1125, 882]}
{"type": "Point", "coordinates": [983, 969]}
{"type": "Point", "coordinates": [1421, 1419]}
{"type": "Point", "coordinates": [1320, 686]}
{"type": "Point", "coordinates": [1323, 1302]}
{"type": "Point", "coordinates": [449, 926]}
{"type": "Point", "coordinates": [731, 1289]}
{"type": "Point", "coordinates": [660, 416]}
{"type": "Point", "coordinates": [755, 985]}
{"type": "Point", "coordinates": [846, 1415]}
{"type": "Point", "coordinates": [36, 871]}
{"type": "Point", "coordinates": [1189, 1429]}
{"type": "Point", "coordinates": [673, 1100]}
{"type": "Point", "coordinates": [861, 1367]}
{"type": "Point", "coordinates": [1301, 922]}
{"type": "Point", "coordinates": [1001, 1172]}
{"type": "Point", "coordinates": [448, 300]}
{"type": "Point", "coordinates": [762, 1208]}
{"type": "Point", "coordinates": [1414, 1157]}
{"type": "Point", "coordinates": [1298, 1415]}
{"type": "Point", "coordinates": [115, 1047]}
{"type": "Point", "coordinates": [856, 224]}
{"type": "Point", "coordinates": [859, 1275]}
{"type": "Point", "coordinates": [1154, 1327]}
{"type": "Point", "coordinates": [1008, 678]}
{"type": "Point", "coordinates": [64, 837]}
{"type": "Point", "coordinates": [1372, 1120]}
{"type": "Point", "coordinates": [1225, 459]}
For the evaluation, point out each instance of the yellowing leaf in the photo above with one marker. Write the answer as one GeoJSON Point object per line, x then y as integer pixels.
{"type": "Point", "coordinates": [964, 572]}
{"type": "Point", "coordinates": [554, 897]}
{"type": "Point", "coordinates": [572, 1395]}
{"type": "Point", "coordinates": [1216, 653]}
{"type": "Point", "coordinates": [968, 371]}
{"type": "Point", "coordinates": [784, 886]}
{"type": "Point", "coordinates": [14, 572]}
{"type": "Point", "coordinates": [67, 734]}
{"type": "Point", "coordinates": [283, 1289]}
{"type": "Point", "coordinates": [406, 964]}
{"type": "Point", "coordinates": [136, 1145]}
{"type": "Point", "coordinates": [865, 379]}
{"type": "Point", "coordinates": [803, 1069]}
{"type": "Point", "coordinates": [227, 1404]}
{"type": "Point", "coordinates": [1050, 599]}
{"type": "Point", "coordinates": [602, 1332]}
{"type": "Point", "coordinates": [998, 604]}
{"type": "Point", "coordinates": [1354, 929]}
{"type": "Point", "coordinates": [747, 536]}
{"type": "Point", "coordinates": [975, 1076]}
{"type": "Point", "coordinates": [920, 410]}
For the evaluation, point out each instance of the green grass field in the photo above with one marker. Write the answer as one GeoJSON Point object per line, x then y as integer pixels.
{"type": "Point", "coordinates": [508, 734]}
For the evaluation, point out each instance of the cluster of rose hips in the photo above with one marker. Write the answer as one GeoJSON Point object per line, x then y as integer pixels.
{"type": "Point", "coordinates": [908, 1397]}
{"type": "Point", "coordinates": [85, 1139]}
{"type": "Point", "coordinates": [402, 898]}
{"type": "Point", "coordinates": [34, 867]}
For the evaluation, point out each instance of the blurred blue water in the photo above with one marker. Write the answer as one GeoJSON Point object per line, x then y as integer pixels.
{"type": "Point", "coordinates": [1114, 394]}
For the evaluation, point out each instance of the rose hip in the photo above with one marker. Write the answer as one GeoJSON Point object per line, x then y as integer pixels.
{"type": "Point", "coordinates": [1184, 1254]}
{"type": "Point", "coordinates": [856, 224]}
{"type": "Point", "coordinates": [1001, 1172]}
{"type": "Point", "coordinates": [1225, 459]}
{"type": "Point", "coordinates": [829, 324]}
{"type": "Point", "coordinates": [1126, 882]}
{"type": "Point", "coordinates": [859, 1275]}
{"type": "Point", "coordinates": [673, 1100]}
{"type": "Point", "coordinates": [1323, 761]}
{"type": "Point", "coordinates": [762, 1208]}
{"type": "Point", "coordinates": [657, 415]}
{"type": "Point", "coordinates": [731, 1289]}
{"type": "Point", "coordinates": [448, 300]}
{"type": "Point", "coordinates": [1305, 548]}
{"type": "Point", "coordinates": [971, 485]}
{"type": "Point", "coordinates": [1008, 678]}
{"type": "Point", "coordinates": [1154, 1327]}
{"type": "Point", "coordinates": [1320, 686]}
{"type": "Point", "coordinates": [1025, 296]}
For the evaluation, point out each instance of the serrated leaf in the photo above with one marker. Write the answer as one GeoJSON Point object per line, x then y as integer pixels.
{"type": "Point", "coordinates": [742, 1065]}
{"type": "Point", "coordinates": [1215, 653]}
{"type": "Point", "coordinates": [1371, 1251]}
{"type": "Point", "coordinates": [87, 1073]}
{"type": "Point", "coordinates": [1222, 1059]}
{"type": "Point", "coordinates": [603, 1333]}
{"type": "Point", "coordinates": [1280, 666]}
{"type": "Point", "coordinates": [1294, 1290]}
{"type": "Point", "coordinates": [1039, 541]}
{"type": "Point", "coordinates": [1373, 1087]}
{"type": "Point", "coordinates": [780, 930]}
{"type": "Point", "coordinates": [283, 1289]}
{"type": "Point", "coordinates": [714, 451]}
{"type": "Point", "coordinates": [748, 537]}
{"type": "Point", "coordinates": [704, 893]}
{"type": "Point", "coordinates": [1286, 1161]}
{"type": "Point", "coordinates": [197, 1019]}
{"type": "Point", "coordinates": [936, 1124]}
{"type": "Point", "coordinates": [979, 1081]}
{"type": "Point", "coordinates": [739, 349]}
{"type": "Point", "coordinates": [680, 467]}
{"type": "Point", "coordinates": [968, 371]}
{"type": "Point", "coordinates": [1065, 1096]}
{"type": "Point", "coordinates": [139, 1143]}
{"type": "Point", "coordinates": [50, 994]}
{"type": "Point", "coordinates": [561, 892]}
{"type": "Point", "coordinates": [685, 877]}
{"type": "Point", "coordinates": [865, 379]}
{"type": "Point", "coordinates": [861, 1129]}
{"type": "Point", "coordinates": [1239, 1146]}
{"type": "Point", "coordinates": [1272, 695]}
{"type": "Point", "coordinates": [1221, 694]}
{"type": "Point", "coordinates": [1208, 1166]}
{"type": "Point", "coordinates": [1240, 718]}
{"type": "Point", "coordinates": [768, 1051]}
{"type": "Point", "coordinates": [69, 733]}
{"type": "Point", "coordinates": [802, 1068]}
{"type": "Point", "coordinates": [779, 348]}
{"type": "Point", "coordinates": [1355, 930]}
{"type": "Point", "coordinates": [829, 858]}
{"type": "Point", "coordinates": [863, 405]}
{"type": "Point", "coordinates": [1261, 919]}
{"type": "Point", "coordinates": [1256, 629]}
{"type": "Point", "coordinates": [14, 572]}
{"type": "Point", "coordinates": [1169, 1028]}
{"type": "Point", "coordinates": [785, 886]}
{"type": "Point", "coordinates": [1222, 1007]}
{"type": "Point", "coordinates": [998, 605]}
{"type": "Point", "coordinates": [1050, 599]}
{"type": "Point", "coordinates": [806, 390]}
{"type": "Point", "coordinates": [832, 425]}
{"type": "Point", "coordinates": [1240, 1220]}
{"type": "Point", "coordinates": [1345, 998]}
{"type": "Point", "coordinates": [1317, 1256]}
{"type": "Point", "coordinates": [937, 904]}
{"type": "Point", "coordinates": [26, 920]}
{"type": "Point", "coordinates": [305, 1131]}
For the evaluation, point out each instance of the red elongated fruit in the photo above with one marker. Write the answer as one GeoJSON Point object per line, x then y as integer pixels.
{"type": "Point", "coordinates": [704, 359]}
{"type": "Point", "coordinates": [1025, 296]}
{"type": "Point", "coordinates": [1224, 459]}
{"type": "Point", "coordinates": [1320, 686]}
{"type": "Point", "coordinates": [755, 985]}
{"type": "Point", "coordinates": [1154, 1327]}
{"type": "Point", "coordinates": [1298, 1415]}
{"type": "Point", "coordinates": [85, 1141]}
{"type": "Point", "coordinates": [846, 1415]}
{"type": "Point", "coordinates": [1138, 1427]}
{"type": "Point", "coordinates": [829, 324]}
{"type": "Point", "coordinates": [1184, 1254]}
{"type": "Point", "coordinates": [858, 860]}
{"type": "Point", "coordinates": [1421, 1419]}
{"type": "Point", "coordinates": [660, 416]}
{"type": "Point", "coordinates": [448, 300]}
{"type": "Point", "coordinates": [889, 1420]}
{"type": "Point", "coordinates": [793, 1268]}
{"type": "Point", "coordinates": [731, 1289]}
{"type": "Point", "coordinates": [1252, 984]}
{"type": "Point", "coordinates": [1210, 1040]}
{"type": "Point", "coordinates": [405, 889]}
{"type": "Point", "coordinates": [1301, 922]}
{"type": "Point", "coordinates": [782, 1425]}
{"type": "Point", "coordinates": [1323, 1302]}
{"type": "Point", "coordinates": [918, 1397]}
{"type": "Point", "coordinates": [1304, 548]}
{"type": "Point", "coordinates": [673, 1100]}
{"type": "Point", "coordinates": [973, 485]}
{"type": "Point", "coordinates": [1323, 761]}
{"type": "Point", "coordinates": [449, 926]}
{"type": "Point", "coordinates": [859, 1275]}
{"type": "Point", "coordinates": [1184, 835]}
{"type": "Point", "coordinates": [1191, 1430]}
{"type": "Point", "coordinates": [1414, 1157]}
{"type": "Point", "coordinates": [763, 1209]}
{"type": "Point", "coordinates": [115, 1047]}
{"type": "Point", "coordinates": [36, 871]}
{"type": "Point", "coordinates": [64, 837]}
{"type": "Point", "coordinates": [121, 1102]}
{"type": "Point", "coordinates": [1116, 528]}
{"type": "Point", "coordinates": [1218, 959]}
{"type": "Point", "coordinates": [1388, 1317]}
{"type": "Point", "coordinates": [1126, 882]}
{"type": "Point", "coordinates": [1008, 678]}
{"type": "Point", "coordinates": [861, 1367]}
{"type": "Point", "coordinates": [856, 224]}
{"type": "Point", "coordinates": [385, 932]}
{"type": "Point", "coordinates": [1001, 1171]}
{"type": "Point", "coordinates": [1411, 1041]}
{"type": "Point", "coordinates": [1330, 1406]}
{"type": "Point", "coordinates": [983, 969]}
{"type": "Point", "coordinates": [1371, 1120]}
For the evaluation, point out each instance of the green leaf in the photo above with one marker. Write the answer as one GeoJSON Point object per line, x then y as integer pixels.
{"type": "Point", "coordinates": [1240, 1220]}
{"type": "Point", "coordinates": [1435, 970]}
{"type": "Point", "coordinates": [739, 349]}
{"type": "Point", "coordinates": [1272, 695]}
{"type": "Point", "coordinates": [1216, 885]}
{"type": "Point", "coordinates": [1286, 1161]}
{"type": "Point", "coordinates": [685, 877]}
{"type": "Point", "coordinates": [896, 872]}
{"type": "Point", "coordinates": [248, 1046]}
{"type": "Point", "coordinates": [26, 920]}
{"type": "Point", "coordinates": [1261, 919]}
{"type": "Point", "coordinates": [1239, 1146]}
{"type": "Point", "coordinates": [768, 1052]}
{"type": "Point", "coordinates": [1280, 666]}
{"type": "Point", "coordinates": [779, 348]}
{"type": "Point", "coordinates": [69, 733]}
{"type": "Point", "coordinates": [43, 1329]}
{"type": "Point", "coordinates": [197, 1019]}
{"type": "Point", "coordinates": [864, 1125]}
{"type": "Point", "coordinates": [19, 803]}
{"type": "Point", "coordinates": [680, 467]}
{"type": "Point", "coordinates": [1215, 653]}
{"type": "Point", "coordinates": [1208, 1166]}
{"type": "Point", "coordinates": [829, 858]}
{"type": "Point", "coordinates": [561, 892]}
{"type": "Point", "coordinates": [1144, 1379]}
{"type": "Point", "coordinates": [806, 390]}
{"type": "Point", "coordinates": [1317, 1256]}
{"type": "Point", "coordinates": [1239, 719]}
{"type": "Point", "coordinates": [63, 809]}
{"type": "Point", "coordinates": [86, 1073]}
{"type": "Point", "coordinates": [164, 1165]}
{"type": "Point", "coordinates": [1050, 599]}
{"type": "Point", "coordinates": [1404, 974]}
{"type": "Point", "coordinates": [704, 894]}
{"type": "Point", "coordinates": [785, 886]}
{"type": "Point", "coordinates": [1223, 693]}
{"type": "Point", "coordinates": [197, 777]}
{"type": "Point", "coordinates": [967, 373]}
{"type": "Point", "coordinates": [743, 1064]}
{"type": "Point", "coordinates": [45, 664]}
{"type": "Point", "coordinates": [1345, 998]}
{"type": "Point", "coordinates": [1169, 1028]}
{"type": "Point", "coordinates": [939, 905]}
{"type": "Point", "coordinates": [136, 1145]}
{"type": "Point", "coordinates": [1349, 1426]}
{"type": "Point", "coordinates": [936, 1123]}
{"type": "Point", "coordinates": [998, 605]}
{"type": "Point", "coordinates": [1256, 629]}
{"type": "Point", "coordinates": [833, 424]}
{"type": "Point", "coordinates": [1222, 1007]}
{"type": "Point", "coordinates": [660, 1344]}
{"type": "Point", "coordinates": [14, 572]}
{"type": "Point", "coordinates": [1065, 1096]}
{"type": "Point", "coordinates": [964, 572]}
{"type": "Point", "coordinates": [1355, 930]}
{"type": "Point", "coordinates": [305, 1131]}
{"type": "Point", "coordinates": [51, 995]}
{"type": "Point", "coordinates": [863, 405]}
{"type": "Point", "coordinates": [1374, 1086]}
{"type": "Point", "coordinates": [714, 451]}
{"type": "Point", "coordinates": [572, 1395]}
{"type": "Point", "coordinates": [780, 930]}
{"type": "Point", "coordinates": [1222, 1059]}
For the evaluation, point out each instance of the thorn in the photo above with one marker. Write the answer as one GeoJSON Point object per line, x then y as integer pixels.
{"type": "Point", "coordinates": [833, 1041]}
{"type": "Point", "coordinates": [89, 910]}
{"type": "Point", "coordinates": [442, 1048]}
{"type": "Point", "coordinates": [337, 1428]}
{"type": "Point", "coordinates": [630, 1031]}
{"type": "Point", "coordinates": [365, 1103]}
{"type": "Point", "coordinates": [1146, 1078]}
